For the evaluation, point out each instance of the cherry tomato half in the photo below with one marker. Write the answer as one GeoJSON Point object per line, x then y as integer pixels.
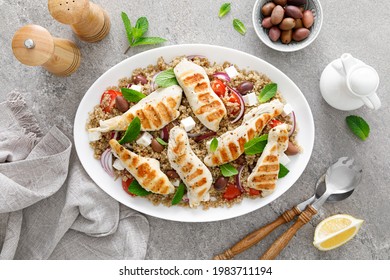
{"type": "Point", "coordinates": [274, 122]}
{"type": "Point", "coordinates": [110, 96]}
{"type": "Point", "coordinates": [218, 87]}
{"type": "Point", "coordinates": [231, 192]}
{"type": "Point", "coordinates": [254, 192]}
{"type": "Point", "coordinates": [125, 186]}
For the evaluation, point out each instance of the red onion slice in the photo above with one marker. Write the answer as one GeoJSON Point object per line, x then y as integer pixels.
{"type": "Point", "coordinates": [222, 76]}
{"type": "Point", "coordinates": [242, 105]}
{"type": "Point", "coordinates": [191, 57]}
{"type": "Point", "coordinates": [204, 136]}
{"type": "Point", "coordinates": [164, 133]}
{"type": "Point", "coordinates": [106, 162]}
{"type": "Point", "coordinates": [238, 178]}
{"type": "Point", "coordinates": [153, 84]}
{"type": "Point", "coordinates": [293, 124]}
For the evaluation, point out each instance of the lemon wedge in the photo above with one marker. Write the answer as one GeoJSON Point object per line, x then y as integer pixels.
{"type": "Point", "coordinates": [335, 231]}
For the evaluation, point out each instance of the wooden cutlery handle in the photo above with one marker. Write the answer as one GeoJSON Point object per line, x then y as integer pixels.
{"type": "Point", "coordinates": [256, 236]}
{"type": "Point", "coordinates": [285, 238]}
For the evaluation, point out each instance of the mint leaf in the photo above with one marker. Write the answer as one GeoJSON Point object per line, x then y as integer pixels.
{"type": "Point", "coordinates": [128, 28]}
{"type": "Point", "coordinates": [162, 142]}
{"type": "Point", "coordinates": [166, 78]}
{"type": "Point", "coordinates": [358, 126]}
{"type": "Point", "coordinates": [137, 33]}
{"type": "Point", "coordinates": [283, 171]}
{"type": "Point", "coordinates": [268, 92]}
{"type": "Point", "coordinates": [239, 26]}
{"type": "Point", "coordinates": [148, 41]}
{"type": "Point", "coordinates": [132, 132]}
{"type": "Point", "coordinates": [225, 8]}
{"type": "Point", "coordinates": [179, 194]}
{"type": "Point", "coordinates": [142, 24]}
{"type": "Point", "coordinates": [255, 145]}
{"type": "Point", "coordinates": [228, 170]}
{"type": "Point", "coordinates": [137, 189]}
{"type": "Point", "coordinates": [214, 145]}
{"type": "Point", "coordinates": [132, 95]}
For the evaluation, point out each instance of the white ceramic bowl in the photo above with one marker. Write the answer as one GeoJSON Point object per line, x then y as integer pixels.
{"type": "Point", "coordinates": [262, 33]}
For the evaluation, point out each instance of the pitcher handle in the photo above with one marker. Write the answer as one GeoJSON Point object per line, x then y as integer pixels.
{"type": "Point", "coordinates": [372, 101]}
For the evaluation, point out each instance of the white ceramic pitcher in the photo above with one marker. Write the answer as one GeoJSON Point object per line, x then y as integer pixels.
{"type": "Point", "coordinates": [348, 83]}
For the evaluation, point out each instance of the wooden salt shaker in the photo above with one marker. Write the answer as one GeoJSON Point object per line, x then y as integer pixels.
{"type": "Point", "coordinates": [88, 20]}
{"type": "Point", "coordinates": [33, 45]}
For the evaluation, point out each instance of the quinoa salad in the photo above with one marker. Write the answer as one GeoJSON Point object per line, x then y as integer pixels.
{"type": "Point", "coordinates": [250, 168]}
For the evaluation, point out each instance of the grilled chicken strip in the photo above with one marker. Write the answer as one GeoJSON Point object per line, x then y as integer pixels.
{"type": "Point", "coordinates": [265, 174]}
{"type": "Point", "coordinates": [155, 111]}
{"type": "Point", "coordinates": [195, 175]}
{"type": "Point", "coordinates": [231, 143]}
{"type": "Point", "coordinates": [145, 170]}
{"type": "Point", "coordinates": [205, 104]}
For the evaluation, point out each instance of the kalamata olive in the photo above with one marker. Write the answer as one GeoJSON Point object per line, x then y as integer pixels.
{"type": "Point", "coordinates": [297, 2]}
{"type": "Point", "coordinates": [300, 34]}
{"type": "Point", "coordinates": [277, 15]}
{"type": "Point", "coordinates": [220, 183]}
{"type": "Point", "coordinates": [266, 10]}
{"type": "Point", "coordinates": [274, 33]}
{"type": "Point", "coordinates": [266, 22]}
{"type": "Point", "coordinates": [121, 103]}
{"type": "Point", "coordinates": [291, 149]}
{"type": "Point", "coordinates": [157, 147]}
{"type": "Point", "coordinates": [308, 18]}
{"type": "Point", "coordinates": [293, 11]}
{"type": "Point", "coordinates": [140, 79]}
{"type": "Point", "coordinates": [287, 24]}
{"type": "Point", "coordinates": [298, 23]}
{"type": "Point", "coordinates": [286, 36]}
{"type": "Point", "coordinates": [172, 174]}
{"type": "Point", "coordinates": [280, 2]}
{"type": "Point", "coordinates": [245, 87]}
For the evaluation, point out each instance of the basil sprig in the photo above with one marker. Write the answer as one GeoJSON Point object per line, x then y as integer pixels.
{"type": "Point", "coordinates": [132, 132]}
{"type": "Point", "coordinates": [283, 171]}
{"type": "Point", "coordinates": [214, 145]}
{"type": "Point", "coordinates": [255, 145]}
{"type": "Point", "coordinates": [225, 8]}
{"type": "Point", "coordinates": [239, 26]}
{"type": "Point", "coordinates": [179, 194]}
{"type": "Point", "coordinates": [132, 95]}
{"type": "Point", "coordinates": [267, 92]}
{"type": "Point", "coordinates": [166, 79]}
{"type": "Point", "coordinates": [228, 170]}
{"type": "Point", "coordinates": [137, 189]}
{"type": "Point", "coordinates": [135, 35]}
{"type": "Point", "coordinates": [358, 126]}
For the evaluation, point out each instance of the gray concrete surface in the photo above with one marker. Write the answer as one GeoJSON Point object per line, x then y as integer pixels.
{"type": "Point", "coordinates": [359, 27]}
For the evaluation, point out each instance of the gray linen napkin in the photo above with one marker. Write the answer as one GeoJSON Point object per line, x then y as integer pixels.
{"type": "Point", "coordinates": [49, 207]}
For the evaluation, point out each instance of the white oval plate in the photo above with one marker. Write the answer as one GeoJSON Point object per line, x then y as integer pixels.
{"type": "Point", "coordinates": [289, 90]}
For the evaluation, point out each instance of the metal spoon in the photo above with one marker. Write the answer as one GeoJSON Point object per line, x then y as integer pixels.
{"type": "Point", "coordinates": [258, 235]}
{"type": "Point", "coordinates": [340, 181]}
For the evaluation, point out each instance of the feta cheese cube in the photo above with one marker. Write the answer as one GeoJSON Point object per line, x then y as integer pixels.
{"type": "Point", "coordinates": [231, 71]}
{"type": "Point", "coordinates": [250, 99]}
{"type": "Point", "coordinates": [284, 159]}
{"type": "Point", "coordinates": [287, 109]}
{"type": "Point", "coordinates": [176, 183]}
{"type": "Point", "coordinates": [145, 140]}
{"type": "Point", "coordinates": [136, 87]}
{"type": "Point", "coordinates": [118, 165]}
{"type": "Point", "coordinates": [94, 136]}
{"type": "Point", "coordinates": [188, 123]}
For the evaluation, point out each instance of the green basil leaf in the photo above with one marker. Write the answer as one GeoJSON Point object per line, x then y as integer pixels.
{"type": "Point", "coordinates": [128, 28]}
{"type": "Point", "coordinates": [214, 145]}
{"type": "Point", "coordinates": [283, 171]}
{"type": "Point", "coordinates": [142, 24]}
{"type": "Point", "coordinates": [225, 8]}
{"type": "Point", "coordinates": [255, 145]}
{"type": "Point", "coordinates": [132, 95]}
{"type": "Point", "coordinates": [148, 41]}
{"type": "Point", "coordinates": [228, 170]}
{"type": "Point", "coordinates": [179, 194]}
{"type": "Point", "coordinates": [137, 189]}
{"type": "Point", "coordinates": [166, 78]}
{"type": "Point", "coordinates": [132, 132]}
{"type": "Point", "coordinates": [239, 26]}
{"type": "Point", "coordinates": [268, 92]}
{"type": "Point", "coordinates": [162, 142]}
{"type": "Point", "coordinates": [358, 126]}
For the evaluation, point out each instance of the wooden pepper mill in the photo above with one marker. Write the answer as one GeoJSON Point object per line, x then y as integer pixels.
{"type": "Point", "coordinates": [33, 45]}
{"type": "Point", "coordinates": [88, 20]}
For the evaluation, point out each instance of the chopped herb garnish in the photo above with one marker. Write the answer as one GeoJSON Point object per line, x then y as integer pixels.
{"type": "Point", "coordinates": [228, 170]}
{"type": "Point", "coordinates": [137, 189]}
{"type": "Point", "coordinates": [132, 132]}
{"type": "Point", "coordinates": [179, 194]}
{"type": "Point", "coordinates": [132, 95]}
{"type": "Point", "coordinates": [214, 145]}
{"type": "Point", "coordinates": [268, 92]}
{"type": "Point", "coordinates": [166, 79]}
{"type": "Point", "coordinates": [358, 126]}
